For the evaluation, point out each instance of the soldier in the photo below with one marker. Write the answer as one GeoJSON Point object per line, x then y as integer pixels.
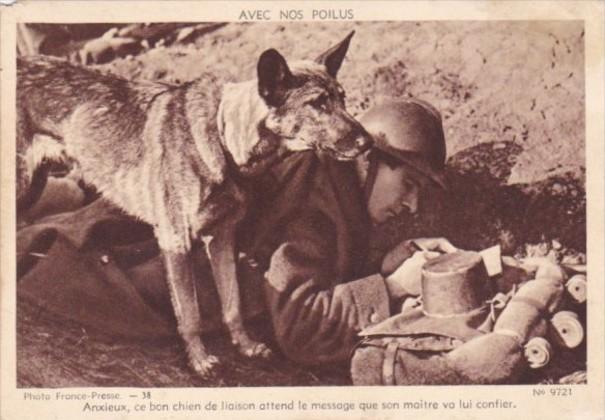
{"type": "Point", "coordinates": [316, 312]}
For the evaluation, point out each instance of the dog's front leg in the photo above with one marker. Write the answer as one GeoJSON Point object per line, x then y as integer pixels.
{"type": "Point", "coordinates": [181, 282]}
{"type": "Point", "coordinates": [221, 253]}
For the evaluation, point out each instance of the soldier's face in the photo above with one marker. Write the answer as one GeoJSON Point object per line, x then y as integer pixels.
{"type": "Point", "coordinates": [395, 189]}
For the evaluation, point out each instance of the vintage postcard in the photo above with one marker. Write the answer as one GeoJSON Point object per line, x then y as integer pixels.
{"type": "Point", "coordinates": [380, 209]}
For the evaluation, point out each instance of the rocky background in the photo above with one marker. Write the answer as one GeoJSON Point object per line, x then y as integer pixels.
{"type": "Point", "coordinates": [512, 99]}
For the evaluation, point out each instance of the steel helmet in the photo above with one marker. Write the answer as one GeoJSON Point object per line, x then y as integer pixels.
{"type": "Point", "coordinates": [411, 131]}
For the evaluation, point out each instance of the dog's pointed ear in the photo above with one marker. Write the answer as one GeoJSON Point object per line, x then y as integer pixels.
{"type": "Point", "coordinates": [274, 77]}
{"type": "Point", "coordinates": [333, 57]}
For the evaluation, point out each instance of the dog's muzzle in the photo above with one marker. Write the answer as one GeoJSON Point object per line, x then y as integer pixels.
{"type": "Point", "coordinates": [352, 145]}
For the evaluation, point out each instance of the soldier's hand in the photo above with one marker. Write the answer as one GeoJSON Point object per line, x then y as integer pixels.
{"type": "Point", "coordinates": [405, 281]}
{"type": "Point", "coordinates": [435, 244]}
{"type": "Point", "coordinates": [406, 249]}
{"type": "Point", "coordinates": [544, 268]}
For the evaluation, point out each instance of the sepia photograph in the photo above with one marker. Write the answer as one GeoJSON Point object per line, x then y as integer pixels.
{"type": "Point", "coordinates": [255, 202]}
{"type": "Point", "coordinates": [296, 198]}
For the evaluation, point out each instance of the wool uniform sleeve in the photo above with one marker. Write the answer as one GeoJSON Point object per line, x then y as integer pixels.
{"type": "Point", "coordinates": [316, 316]}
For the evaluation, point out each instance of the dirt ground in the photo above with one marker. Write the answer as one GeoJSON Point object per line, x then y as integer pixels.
{"type": "Point", "coordinates": [512, 99]}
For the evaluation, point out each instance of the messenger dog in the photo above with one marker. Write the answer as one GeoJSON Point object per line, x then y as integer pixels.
{"type": "Point", "coordinates": [173, 156]}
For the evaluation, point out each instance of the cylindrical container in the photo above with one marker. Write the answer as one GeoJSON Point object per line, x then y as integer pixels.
{"type": "Point", "coordinates": [454, 283]}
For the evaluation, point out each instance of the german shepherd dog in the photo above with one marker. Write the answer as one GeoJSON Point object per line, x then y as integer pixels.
{"type": "Point", "coordinates": [174, 156]}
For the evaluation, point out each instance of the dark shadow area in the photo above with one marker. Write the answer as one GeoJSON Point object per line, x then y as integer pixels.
{"type": "Point", "coordinates": [55, 353]}
{"type": "Point", "coordinates": [481, 210]}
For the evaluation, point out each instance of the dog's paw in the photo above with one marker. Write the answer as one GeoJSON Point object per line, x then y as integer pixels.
{"type": "Point", "coordinates": [199, 359]}
{"type": "Point", "coordinates": [203, 366]}
{"type": "Point", "coordinates": [256, 350]}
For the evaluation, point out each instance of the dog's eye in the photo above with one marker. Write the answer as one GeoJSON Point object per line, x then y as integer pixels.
{"type": "Point", "coordinates": [321, 102]}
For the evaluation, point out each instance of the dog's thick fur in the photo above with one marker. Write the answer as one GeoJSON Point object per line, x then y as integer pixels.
{"type": "Point", "coordinates": [172, 155]}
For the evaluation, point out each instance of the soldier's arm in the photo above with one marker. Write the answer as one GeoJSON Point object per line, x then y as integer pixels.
{"type": "Point", "coordinates": [316, 316]}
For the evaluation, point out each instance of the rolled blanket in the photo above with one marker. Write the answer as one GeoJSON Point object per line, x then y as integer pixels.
{"type": "Point", "coordinates": [568, 330]}
{"type": "Point", "coordinates": [537, 352]}
{"type": "Point", "coordinates": [498, 357]}
{"type": "Point", "coordinates": [576, 287]}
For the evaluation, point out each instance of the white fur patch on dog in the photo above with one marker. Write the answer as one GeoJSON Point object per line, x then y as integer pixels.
{"type": "Point", "coordinates": [43, 147]}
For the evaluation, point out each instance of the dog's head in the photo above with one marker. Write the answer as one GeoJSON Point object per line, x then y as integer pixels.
{"type": "Point", "coordinates": [306, 104]}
